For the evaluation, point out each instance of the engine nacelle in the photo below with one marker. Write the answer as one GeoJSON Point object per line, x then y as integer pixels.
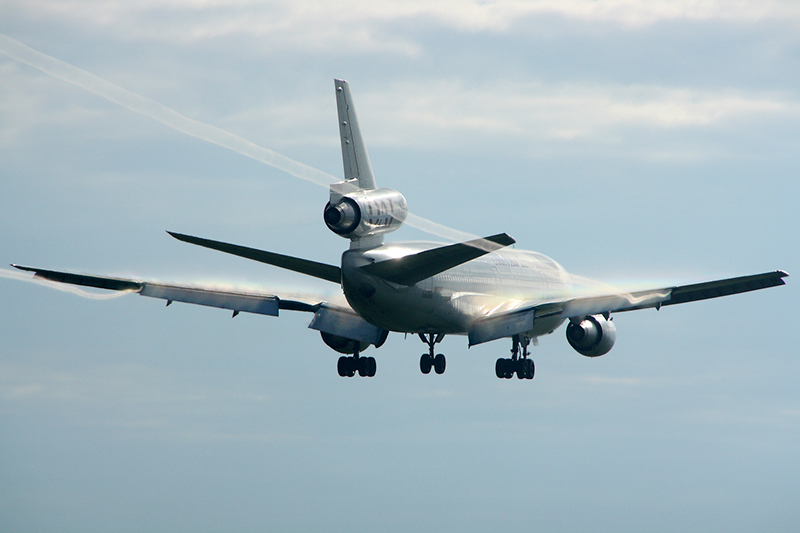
{"type": "Point", "coordinates": [343, 344]}
{"type": "Point", "coordinates": [593, 336]}
{"type": "Point", "coordinates": [365, 213]}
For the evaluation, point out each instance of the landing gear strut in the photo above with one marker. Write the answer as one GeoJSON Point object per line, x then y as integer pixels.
{"type": "Point", "coordinates": [348, 366]}
{"type": "Point", "coordinates": [428, 360]}
{"type": "Point", "coordinates": [518, 363]}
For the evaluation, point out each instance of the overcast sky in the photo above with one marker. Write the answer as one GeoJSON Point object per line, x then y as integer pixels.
{"type": "Point", "coordinates": [636, 142]}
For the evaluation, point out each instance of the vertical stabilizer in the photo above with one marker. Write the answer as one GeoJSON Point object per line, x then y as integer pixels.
{"type": "Point", "coordinates": [354, 153]}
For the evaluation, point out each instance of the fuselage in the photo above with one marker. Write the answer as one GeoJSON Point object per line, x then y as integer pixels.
{"type": "Point", "coordinates": [449, 302]}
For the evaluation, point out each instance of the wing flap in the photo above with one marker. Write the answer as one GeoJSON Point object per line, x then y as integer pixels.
{"type": "Point", "coordinates": [239, 302]}
{"type": "Point", "coordinates": [295, 264]}
{"type": "Point", "coordinates": [411, 269]}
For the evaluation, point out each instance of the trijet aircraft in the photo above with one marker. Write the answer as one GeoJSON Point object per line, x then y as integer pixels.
{"type": "Point", "coordinates": [480, 288]}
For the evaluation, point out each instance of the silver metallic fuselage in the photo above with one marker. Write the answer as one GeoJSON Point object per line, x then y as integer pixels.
{"type": "Point", "coordinates": [449, 302]}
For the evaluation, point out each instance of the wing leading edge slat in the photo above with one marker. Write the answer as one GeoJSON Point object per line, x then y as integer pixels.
{"type": "Point", "coordinates": [264, 304]}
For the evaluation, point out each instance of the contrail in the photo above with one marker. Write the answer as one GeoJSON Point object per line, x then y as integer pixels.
{"type": "Point", "coordinates": [157, 111]}
{"type": "Point", "coordinates": [206, 132]}
{"type": "Point", "coordinates": [21, 276]}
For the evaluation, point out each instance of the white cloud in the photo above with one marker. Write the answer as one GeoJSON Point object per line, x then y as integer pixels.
{"type": "Point", "coordinates": [364, 25]}
{"type": "Point", "coordinates": [558, 112]}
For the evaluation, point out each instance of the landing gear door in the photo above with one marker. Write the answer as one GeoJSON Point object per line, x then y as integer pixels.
{"type": "Point", "coordinates": [346, 324]}
{"type": "Point", "coordinates": [498, 327]}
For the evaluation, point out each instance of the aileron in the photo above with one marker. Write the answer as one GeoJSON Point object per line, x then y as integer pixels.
{"type": "Point", "coordinates": [725, 287]}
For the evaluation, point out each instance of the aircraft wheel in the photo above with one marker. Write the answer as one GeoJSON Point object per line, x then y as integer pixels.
{"type": "Point", "coordinates": [343, 366]}
{"type": "Point", "coordinates": [372, 366]}
{"type": "Point", "coordinates": [500, 368]}
{"type": "Point", "coordinates": [530, 368]}
{"type": "Point", "coordinates": [425, 363]}
{"type": "Point", "coordinates": [521, 368]}
{"type": "Point", "coordinates": [509, 367]}
{"type": "Point", "coordinates": [361, 364]}
{"type": "Point", "coordinates": [439, 363]}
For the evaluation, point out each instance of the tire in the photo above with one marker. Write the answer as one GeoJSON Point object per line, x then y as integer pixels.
{"type": "Point", "coordinates": [439, 363]}
{"type": "Point", "coordinates": [521, 367]}
{"type": "Point", "coordinates": [500, 368]}
{"type": "Point", "coordinates": [425, 363]}
{"type": "Point", "coordinates": [343, 366]}
{"type": "Point", "coordinates": [372, 366]}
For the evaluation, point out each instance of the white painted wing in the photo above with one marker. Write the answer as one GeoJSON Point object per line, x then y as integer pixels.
{"type": "Point", "coordinates": [331, 315]}
{"type": "Point", "coordinates": [521, 318]}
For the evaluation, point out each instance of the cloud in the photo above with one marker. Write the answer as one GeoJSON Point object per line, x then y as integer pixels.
{"type": "Point", "coordinates": [370, 26]}
{"type": "Point", "coordinates": [523, 112]}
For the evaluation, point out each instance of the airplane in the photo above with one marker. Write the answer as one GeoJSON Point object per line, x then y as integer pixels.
{"type": "Point", "coordinates": [480, 289]}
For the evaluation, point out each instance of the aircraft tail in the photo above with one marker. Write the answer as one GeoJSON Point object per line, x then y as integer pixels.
{"type": "Point", "coordinates": [357, 209]}
{"type": "Point", "coordinates": [354, 152]}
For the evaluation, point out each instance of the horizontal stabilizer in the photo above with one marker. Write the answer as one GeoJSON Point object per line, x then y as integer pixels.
{"type": "Point", "coordinates": [414, 268]}
{"type": "Point", "coordinates": [295, 264]}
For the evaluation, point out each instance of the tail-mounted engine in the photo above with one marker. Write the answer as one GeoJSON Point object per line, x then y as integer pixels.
{"type": "Point", "coordinates": [593, 336]}
{"type": "Point", "coordinates": [354, 213]}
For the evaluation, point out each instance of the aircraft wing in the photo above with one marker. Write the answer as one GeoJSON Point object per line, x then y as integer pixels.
{"type": "Point", "coordinates": [520, 318]}
{"type": "Point", "coordinates": [334, 317]}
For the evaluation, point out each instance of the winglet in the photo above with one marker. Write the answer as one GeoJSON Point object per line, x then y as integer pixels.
{"type": "Point", "coordinates": [354, 152]}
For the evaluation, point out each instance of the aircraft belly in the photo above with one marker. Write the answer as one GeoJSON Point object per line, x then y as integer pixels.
{"type": "Point", "coordinates": [410, 309]}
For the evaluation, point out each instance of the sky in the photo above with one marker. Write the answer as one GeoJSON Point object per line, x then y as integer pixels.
{"type": "Point", "coordinates": [644, 143]}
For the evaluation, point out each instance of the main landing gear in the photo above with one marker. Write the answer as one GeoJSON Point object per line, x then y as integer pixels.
{"type": "Point", "coordinates": [365, 366]}
{"type": "Point", "coordinates": [518, 363]}
{"type": "Point", "coordinates": [428, 360]}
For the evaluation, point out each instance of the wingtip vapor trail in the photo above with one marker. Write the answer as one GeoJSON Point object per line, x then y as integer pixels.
{"type": "Point", "coordinates": [206, 132]}
{"type": "Point", "coordinates": [20, 276]}
{"type": "Point", "coordinates": [158, 111]}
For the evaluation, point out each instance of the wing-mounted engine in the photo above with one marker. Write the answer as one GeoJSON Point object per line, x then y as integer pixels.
{"type": "Point", "coordinates": [593, 336]}
{"type": "Point", "coordinates": [356, 213]}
